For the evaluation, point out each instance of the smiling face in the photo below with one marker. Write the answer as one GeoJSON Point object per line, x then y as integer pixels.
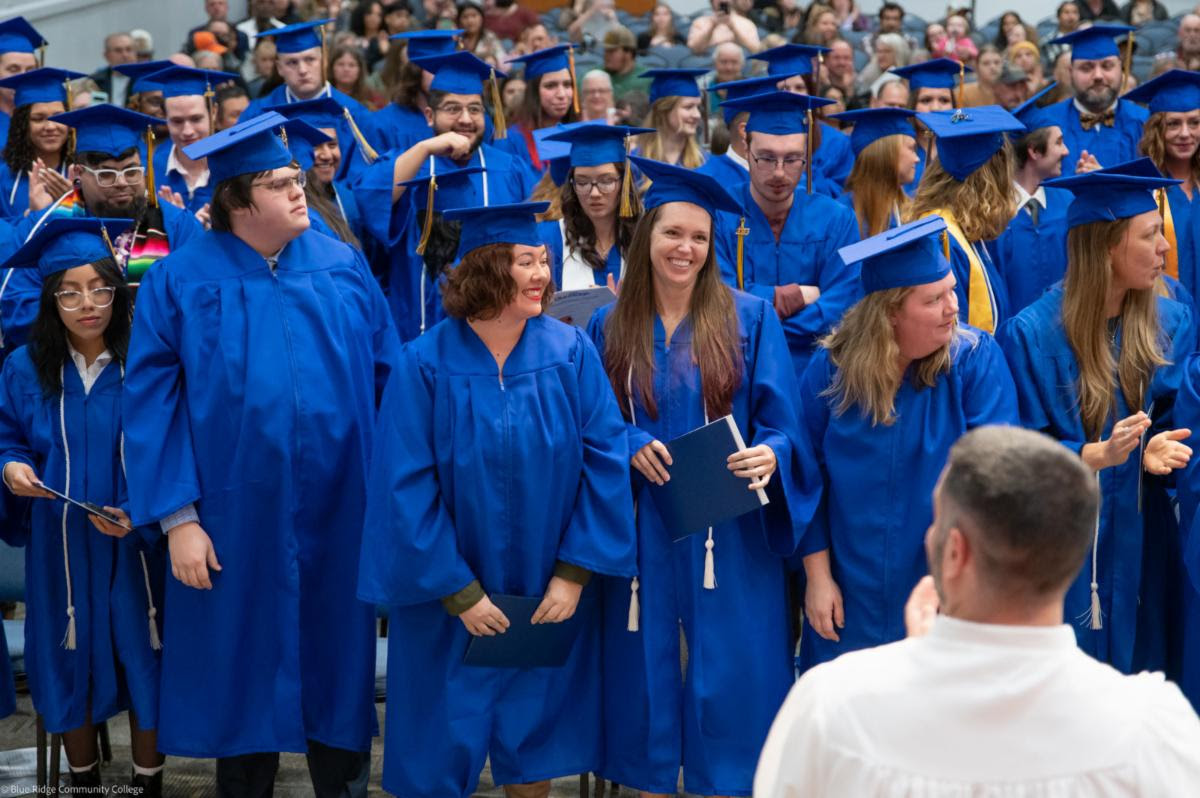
{"type": "Point", "coordinates": [1181, 133]}
{"type": "Point", "coordinates": [531, 272]}
{"type": "Point", "coordinates": [47, 137]}
{"type": "Point", "coordinates": [679, 244]}
{"type": "Point", "coordinates": [326, 157]}
{"type": "Point", "coordinates": [926, 319]}
{"type": "Point", "coordinates": [460, 113]}
{"type": "Point", "coordinates": [1137, 259]}
{"type": "Point", "coordinates": [187, 119]}
{"type": "Point", "coordinates": [685, 116]}
{"type": "Point", "coordinates": [88, 322]}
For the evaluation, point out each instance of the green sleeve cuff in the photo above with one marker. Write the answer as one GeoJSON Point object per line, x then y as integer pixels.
{"type": "Point", "coordinates": [572, 573]}
{"type": "Point", "coordinates": [458, 603]}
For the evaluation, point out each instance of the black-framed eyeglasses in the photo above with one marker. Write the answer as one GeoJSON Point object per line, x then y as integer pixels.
{"type": "Point", "coordinates": [791, 166]}
{"type": "Point", "coordinates": [605, 185]}
{"type": "Point", "coordinates": [107, 178]}
{"type": "Point", "coordinates": [282, 185]}
{"type": "Point", "coordinates": [456, 110]}
{"type": "Point", "coordinates": [73, 300]}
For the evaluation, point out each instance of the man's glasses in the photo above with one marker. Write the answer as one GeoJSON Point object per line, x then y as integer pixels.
{"type": "Point", "coordinates": [107, 178]}
{"type": "Point", "coordinates": [767, 166]}
{"type": "Point", "coordinates": [283, 185]}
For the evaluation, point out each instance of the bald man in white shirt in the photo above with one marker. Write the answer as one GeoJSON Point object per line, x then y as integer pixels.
{"type": "Point", "coordinates": [995, 699]}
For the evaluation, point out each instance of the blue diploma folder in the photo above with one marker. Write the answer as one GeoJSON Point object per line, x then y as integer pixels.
{"type": "Point", "coordinates": [702, 491]}
{"type": "Point", "coordinates": [524, 645]}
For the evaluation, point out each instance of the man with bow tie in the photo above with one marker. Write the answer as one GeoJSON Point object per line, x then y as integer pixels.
{"type": "Point", "coordinates": [1098, 129]}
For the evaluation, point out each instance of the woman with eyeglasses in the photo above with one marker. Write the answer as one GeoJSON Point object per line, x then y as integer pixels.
{"type": "Point", "coordinates": [93, 589]}
{"type": "Point", "coordinates": [600, 206]}
{"type": "Point", "coordinates": [32, 137]}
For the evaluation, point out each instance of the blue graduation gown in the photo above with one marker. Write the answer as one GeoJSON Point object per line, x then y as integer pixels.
{"type": "Point", "coordinates": [961, 266]}
{"type": "Point", "coordinates": [193, 200]}
{"type": "Point", "coordinates": [879, 480]}
{"type": "Point", "coordinates": [399, 127]}
{"type": "Point", "coordinates": [474, 478]}
{"type": "Point", "coordinates": [413, 295]}
{"type": "Point", "coordinates": [1110, 145]}
{"type": "Point", "coordinates": [727, 171]}
{"type": "Point", "coordinates": [1031, 259]}
{"type": "Point", "coordinates": [1185, 217]}
{"type": "Point", "coordinates": [21, 289]}
{"type": "Point", "coordinates": [714, 719]}
{"type": "Point", "coordinates": [345, 204]}
{"type": "Point", "coordinates": [1046, 373]}
{"type": "Point", "coordinates": [806, 253]}
{"type": "Point", "coordinates": [113, 663]}
{"type": "Point", "coordinates": [1187, 574]}
{"type": "Point", "coordinates": [515, 144]}
{"type": "Point", "coordinates": [552, 236]}
{"type": "Point", "coordinates": [252, 393]}
{"type": "Point", "coordinates": [5, 124]}
{"type": "Point", "coordinates": [832, 161]}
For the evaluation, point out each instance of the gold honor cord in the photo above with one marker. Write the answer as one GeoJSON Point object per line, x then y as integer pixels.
{"type": "Point", "coordinates": [742, 232]}
{"type": "Point", "coordinates": [151, 190]}
{"type": "Point", "coordinates": [427, 227]}
{"type": "Point", "coordinates": [499, 124]}
{"type": "Point", "coordinates": [808, 147]}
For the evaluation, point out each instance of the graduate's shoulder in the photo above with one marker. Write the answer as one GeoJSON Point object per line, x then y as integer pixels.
{"type": "Point", "coordinates": [496, 158]}
{"type": "Point", "coordinates": [1040, 323]}
{"type": "Point", "coordinates": [545, 343]}
{"type": "Point", "coordinates": [821, 209]}
{"type": "Point", "coordinates": [1173, 315]}
{"type": "Point", "coordinates": [19, 369]}
{"type": "Point", "coordinates": [750, 309]}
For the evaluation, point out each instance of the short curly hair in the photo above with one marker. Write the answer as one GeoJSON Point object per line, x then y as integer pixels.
{"type": "Point", "coordinates": [481, 285]}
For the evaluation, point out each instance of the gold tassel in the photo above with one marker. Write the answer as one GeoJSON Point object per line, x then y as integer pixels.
{"type": "Point", "coordinates": [946, 244]}
{"type": "Point", "coordinates": [427, 228]}
{"type": "Point", "coordinates": [627, 191]}
{"type": "Point", "coordinates": [151, 190]}
{"type": "Point", "coordinates": [574, 82]}
{"type": "Point", "coordinates": [962, 79]}
{"type": "Point", "coordinates": [367, 150]}
{"type": "Point", "coordinates": [809, 149]}
{"type": "Point", "coordinates": [41, 56]}
{"type": "Point", "coordinates": [1129, 43]}
{"type": "Point", "coordinates": [742, 232]}
{"type": "Point", "coordinates": [67, 105]}
{"type": "Point", "coordinates": [108, 244]}
{"type": "Point", "coordinates": [498, 122]}
{"type": "Point", "coordinates": [210, 104]}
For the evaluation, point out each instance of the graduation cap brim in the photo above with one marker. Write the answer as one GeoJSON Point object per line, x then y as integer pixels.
{"type": "Point", "coordinates": [1175, 91]}
{"type": "Point", "coordinates": [514, 223]}
{"type": "Point", "coordinates": [1095, 43]}
{"type": "Point", "coordinates": [904, 256]}
{"type": "Point", "coordinates": [459, 72]}
{"type": "Point", "coordinates": [777, 113]}
{"type": "Point", "coordinates": [18, 36]}
{"type": "Point", "coordinates": [296, 38]}
{"type": "Point", "coordinates": [320, 112]}
{"type": "Point", "coordinates": [968, 137]}
{"type": "Point", "coordinates": [787, 60]}
{"type": "Point", "coordinates": [423, 43]}
{"type": "Point", "coordinates": [64, 242]}
{"type": "Point", "coordinates": [43, 85]}
{"type": "Point", "coordinates": [1109, 195]}
{"type": "Point", "coordinates": [107, 129]}
{"type": "Point", "coordinates": [671, 183]}
{"type": "Point", "coordinates": [673, 82]}
{"type": "Point", "coordinates": [246, 148]}
{"type": "Point", "coordinates": [938, 73]}
{"type": "Point", "coordinates": [181, 81]}
{"type": "Point", "coordinates": [544, 61]}
{"type": "Point", "coordinates": [872, 124]}
{"type": "Point", "coordinates": [595, 144]}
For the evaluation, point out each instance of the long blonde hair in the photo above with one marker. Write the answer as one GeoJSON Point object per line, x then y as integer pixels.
{"type": "Point", "coordinates": [1154, 145]}
{"type": "Point", "coordinates": [863, 348]}
{"type": "Point", "coordinates": [982, 205]}
{"type": "Point", "coordinates": [650, 145]}
{"type": "Point", "coordinates": [1085, 292]}
{"type": "Point", "coordinates": [875, 181]}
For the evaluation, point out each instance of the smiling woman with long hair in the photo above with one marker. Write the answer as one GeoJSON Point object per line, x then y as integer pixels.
{"type": "Point", "coordinates": [681, 349]}
{"type": "Point", "coordinates": [1097, 362]}
{"type": "Point", "coordinates": [549, 100]}
{"type": "Point", "coordinates": [32, 136]}
{"type": "Point", "coordinates": [675, 116]}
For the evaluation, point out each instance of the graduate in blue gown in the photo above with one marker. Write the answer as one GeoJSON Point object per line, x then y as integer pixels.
{"type": "Point", "coordinates": [1107, 128]}
{"type": "Point", "coordinates": [1112, 409]}
{"type": "Point", "coordinates": [884, 142]}
{"type": "Point", "coordinates": [932, 86]}
{"type": "Point", "coordinates": [551, 98]}
{"type": "Point", "coordinates": [37, 96]}
{"type": "Point", "coordinates": [730, 168]}
{"type": "Point", "coordinates": [1183, 665]}
{"type": "Point", "coordinates": [881, 450]}
{"type": "Point", "coordinates": [21, 48]}
{"type": "Point", "coordinates": [1031, 254]}
{"type": "Point", "coordinates": [402, 123]}
{"type": "Point", "coordinates": [259, 354]}
{"type": "Point", "coordinates": [413, 261]}
{"type": "Point", "coordinates": [500, 467]}
{"type": "Point", "coordinates": [723, 592]}
{"type": "Point", "coordinates": [797, 268]}
{"type": "Point", "coordinates": [969, 184]}
{"type": "Point", "coordinates": [111, 179]}
{"type": "Point", "coordinates": [675, 116]}
{"type": "Point", "coordinates": [1173, 101]}
{"type": "Point", "coordinates": [93, 587]}
{"type": "Point", "coordinates": [600, 206]}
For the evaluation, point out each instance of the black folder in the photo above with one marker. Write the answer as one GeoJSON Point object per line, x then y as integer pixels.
{"type": "Point", "coordinates": [524, 645]}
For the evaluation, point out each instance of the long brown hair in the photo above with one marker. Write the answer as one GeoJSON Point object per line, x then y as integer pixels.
{"type": "Point", "coordinates": [629, 346]}
{"type": "Point", "coordinates": [863, 348]}
{"type": "Point", "coordinates": [1154, 145]}
{"type": "Point", "coordinates": [579, 232]}
{"type": "Point", "coordinates": [529, 112]}
{"type": "Point", "coordinates": [875, 181]}
{"type": "Point", "coordinates": [1085, 292]}
{"type": "Point", "coordinates": [359, 90]}
{"type": "Point", "coordinates": [650, 145]}
{"type": "Point", "coordinates": [982, 205]}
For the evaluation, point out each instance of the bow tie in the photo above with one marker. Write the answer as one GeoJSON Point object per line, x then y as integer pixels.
{"type": "Point", "coordinates": [1089, 121]}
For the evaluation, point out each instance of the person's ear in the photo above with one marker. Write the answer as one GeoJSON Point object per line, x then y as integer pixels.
{"type": "Point", "coordinates": [956, 555]}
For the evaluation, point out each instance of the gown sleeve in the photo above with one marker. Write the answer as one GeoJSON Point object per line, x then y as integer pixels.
{"type": "Point", "coordinates": [182, 225]}
{"type": "Point", "coordinates": [814, 415]}
{"type": "Point", "coordinates": [160, 458]}
{"type": "Point", "coordinates": [635, 436]}
{"type": "Point", "coordinates": [14, 447]}
{"type": "Point", "coordinates": [989, 393]}
{"type": "Point", "coordinates": [410, 551]}
{"type": "Point", "coordinates": [1023, 354]}
{"type": "Point", "coordinates": [839, 282]}
{"type": "Point", "coordinates": [600, 535]}
{"type": "Point", "coordinates": [373, 187]}
{"type": "Point", "coordinates": [19, 299]}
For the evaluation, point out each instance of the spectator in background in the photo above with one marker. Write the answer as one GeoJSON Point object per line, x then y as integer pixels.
{"type": "Point", "coordinates": [891, 50]}
{"type": "Point", "coordinates": [597, 19]}
{"type": "Point", "coordinates": [1099, 11]}
{"type": "Point", "coordinates": [508, 19]}
{"type": "Point", "coordinates": [218, 11]}
{"type": "Point", "coordinates": [397, 17]}
{"type": "Point", "coordinates": [598, 101]}
{"type": "Point", "coordinates": [632, 108]}
{"type": "Point", "coordinates": [838, 68]}
{"type": "Point", "coordinates": [263, 79]}
{"type": "Point", "coordinates": [849, 16]}
{"type": "Point", "coordinates": [729, 64]}
{"type": "Point", "coordinates": [231, 101]}
{"type": "Point", "coordinates": [143, 44]}
{"type": "Point", "coordinates": [620, 62]}
{"type": "Point", "coordinates": [957, 43]}
{"type": "Point", "coordinates": [662, 31]}
{"type": "Point", "coordinates": [776, 17]}
{"type": "Point", "coordinates": [891, 20]}
{"type": "Point", "coordinates": [260, 19]}
{"type": "Point", "coordinates": [889, 91]}
{"type": "Point", "coordinates": [531, 39]}
{"type": "Point", "coordinates": [838, 98]}
{"type": "Point", "coordinates": [118, 49]}
{"type": "Point", "coordinates": [207, 59]}
{"type": "Point", "coordinates": [475, 38]}
{"type": "Point", "coordinates": [1068, 22]}
{"type": "Point", "coordinates": [987, 72]}
{"type": "Point", "coordinates": [1026, 57]}
{"type": "Point", "coordinates": [213, 42]}
{"type": "Point", "coordinates": [1062, 79]}
{"type": "Point", "coordinates": [369, 34]}
{"type": "Point", "coordinates": [724, 24]}
{"type": "Point", "coordinates": [1011, 87]}
{"type": "Point", "coordinates": [513, 96]}
{"type": "Point", "coordinates": [1186, 55]}
{"type": "Point", "coordinates": [347, 72]}
{"type": "Point", "coordinates": [1010, 20]}
{"type": "Point", "coordinates": [820, 27]}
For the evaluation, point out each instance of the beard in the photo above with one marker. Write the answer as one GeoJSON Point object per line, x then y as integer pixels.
{"type": "Point", "coordinates": [1097, 98]}
{"type": "Point", "coordinates": [134, 209]}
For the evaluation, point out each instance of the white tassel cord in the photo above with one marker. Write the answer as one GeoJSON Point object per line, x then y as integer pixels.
{"type": "Point", "coordinates": [710, 572]}
{"type": "Point", "coordinates": [152, 611]}
{"type": "Point", "coordinates": [69, 638]}
{"type": "Point", "coordinates": [635, 609]}
{"type": "Point", "coordinates": [1096, 617]}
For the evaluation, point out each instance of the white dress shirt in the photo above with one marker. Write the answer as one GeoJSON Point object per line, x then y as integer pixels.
{"type": "Point", "coordinates": [983, 711]}
{"type": "Point", "coordinates": [1024, 197]}
{"type": "Point", "coordinates": [89, 374]}
{"type": "Point", "coordinates": [173, 165]}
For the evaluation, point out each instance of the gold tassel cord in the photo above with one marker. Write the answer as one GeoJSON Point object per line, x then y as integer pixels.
{"type": "Point", "coordinates": [574, 83]}
{"type": "Point", "coordinates": [367, 150]}
{"type": "Point", "coordinates": [1129, 45]}
{"type": "Point", "coordinates": [627, 191]}
{"type": "Point", "coordinates": [70, 130]}
{"type": "Point", "coordinates": [946, 244]}
{"type": "Point", "coordinates": [742, 232]}
{"type": "Point", "coordinates": [808, 147]}
{"type": "Point", "coordinates": [151, 191]}
{"type": "Point", "coordinates": [210, 104]}
{"type": "Point", "coordinates": [962, 79]}
{"type": "Point", "coordinates": [41, 56]}
{"type": "Point", "coordinates": [427, 227]}
{"type": "Point", "coordinates": [108, 244]}
{"type": "Point", "coordinates": [498, 121]}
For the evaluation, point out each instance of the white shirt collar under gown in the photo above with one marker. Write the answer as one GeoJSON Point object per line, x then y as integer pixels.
{"type": "Point", "coordinates": [983, 711]}
{"type": "Point", "coordinates": [576, 273]}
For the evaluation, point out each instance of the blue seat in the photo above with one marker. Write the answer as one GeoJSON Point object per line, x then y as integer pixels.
{"type": "Point", "coordinates": [673, 55]}
{"type": "Point", "coordinates": [915, 25]}
{"type": "Point", "coordinates": [697, 62]}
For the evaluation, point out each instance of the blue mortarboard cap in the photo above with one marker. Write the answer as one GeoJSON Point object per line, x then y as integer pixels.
{"type": "Point", "coordinates": [671, 183]}
{"type": "Point", "coordinates": [18, 36]}
{"type": "Point", "coordinates": [498, 224]}
{"type": "Point", "coordinates": [560, 169]}
{"type": "Point", "coordinates": [65, 242]}
{"type": "Point", "coordinates": [140, 72]}
{"type": "Point", "coordinates": [967, 137]}
{"type": "Point", "coordinates": [551, 59]}
{"type": "Point", "coordinates": [872, 124]}
{"type": "Point", "coordinates": [458, 73]}
{"type": "Point", "coordinates": [107, 128]}
{"type": "Point", "coordinates": [246, 148]}
{"type": "Point", "coordinates": [748, 87]}
{"type": "Point", "coordinates": [296, 38]}
{"type": "Point", "coordinates": [1118, 192]}
{"type": "Point", "coordinates": [552, 149]}
{"type": "Point", "coordinates": [673, 83]}
{"type": "Point", "coordinates": [1175, 91]}
{"type": "Point", "coordinates": [778, 112]}
{"type": "Point", "coordinates": [180, 81]}
{"type": "Point", "coordinates": [452, 188]}
{"type": "Point", "coordinates": [1094, 43]}
{"type": "Point", "coordinates": [595, 145]}
{"type": "Point", "coordinates": [938, 73]}
{"type": "Point", "coordinates": [320, 112]}
{"type": "Point", "coordinates": [910, 254]}
{"type": "Point", "coordinates": [790, 59]}
{"type": "Point", "coordinates": [302, 139]}
{"type": "Point", "coordinates": [45, 85]}
{"type": "Point", "coordinates": [422, 43]}
{"type": "Point", "coordinates": [1032, 115]}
